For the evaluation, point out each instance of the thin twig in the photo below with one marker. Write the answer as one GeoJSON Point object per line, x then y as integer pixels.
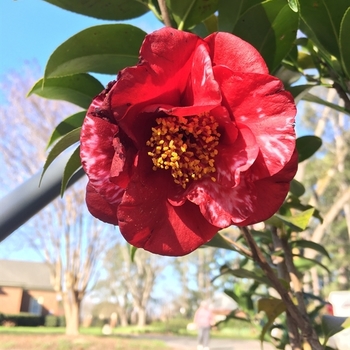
{"type": "Point", "coordinates": [279, 261]}
{"type": "Point", "coordinates": [165, 13]}
{"type": "Point", "coordinates": [293, 273]}
{"type": "Point", "coordinates": [342, 94]}
{"type": "Point", "coordinates": [238, 246]}
{"type": "Point", "coordinates": [303, 322]}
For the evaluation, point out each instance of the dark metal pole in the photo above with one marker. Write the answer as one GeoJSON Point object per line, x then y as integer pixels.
{"type": "Point", "coordinates": [28, 199]}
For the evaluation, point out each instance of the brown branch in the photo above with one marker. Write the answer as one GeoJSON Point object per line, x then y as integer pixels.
{"type": "Point", "coordinates": [238, 246]}
{"type": "Point", "coordinates": [164, 12]}
{"type": "Point", "coordinates": [342, 94]}
{"type": "Point", "coordinates": [303, 322]}
{"type": "Point", "coordinates": [279, 261]}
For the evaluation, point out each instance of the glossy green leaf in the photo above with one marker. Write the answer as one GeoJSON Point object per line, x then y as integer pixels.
{"type": "Point", "coordinates": [321, 22]}
{"type": "Point", "coordinates": [297, 222]}
{"type": "Point", "coordinates": [272, 308]}
{"type": "Point", "coordinates": [295, 203]}
{"type": "Point", "coordinates": [65, 142]}
{"type": "Point", "coordinates": [287, 76]}
{"type": "Point", "coordinates": [307, 146]}
{"type": "Point", "coordinates": [132, 253]}
{"type": "Point", "coordinates": [271, 27]}
{"type": "Point", "coordinates": [244, 300]}
{"type": "Point", "coordinates": [303, 264]}
{"type": "Point", "coordinates": [72, 166]}
{"type": "Point", "coordinates": [188, 13]}
{"type": "Point", "coordinates": [72, 122]}
{"type": "Point", "coordinates": [229, 12]}
{"type": "Point", "coordinates": [332, 325]}
{"type": "Point", "coordinates": [300, 91]}
{"type": "Point", "coordinates": [211, 23]}
{"type": "Point", "coordinates": [297, 188]}
{"type": "Point", "coordinates": [218, 241]}
{"type": "Point", "coordinates": [244, 273]}
{"type": "Point", "coordinates": [302, 243]}
{"type": "Point", "coordinates": [102, 49]}
{"type": "Point", "coordinates": [293, 4]}
{"type": "Point", "coordinates": [104, 9]}
{"type": "Point", "coordinates": [345, 42]}
{"type": "Point", "coordinates": [79, 89]}
{"type": "Point", "coordinates": [312, 98]}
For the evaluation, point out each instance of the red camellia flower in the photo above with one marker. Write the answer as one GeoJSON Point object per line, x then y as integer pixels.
{"type": "Point", "coordinates": [196, 137]}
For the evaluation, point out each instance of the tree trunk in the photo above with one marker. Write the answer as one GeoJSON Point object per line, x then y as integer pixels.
{"type": "Point", "coordinates": [72, 314]}
{"type": "Point", "coordinates": [141, 319]}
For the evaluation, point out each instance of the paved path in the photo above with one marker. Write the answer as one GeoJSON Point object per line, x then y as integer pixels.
{"type": "Point", "coordinates": [190, 343]}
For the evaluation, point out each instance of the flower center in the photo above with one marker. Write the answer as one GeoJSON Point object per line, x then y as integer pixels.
{"type": "Point", "coordinates": [186, 146]}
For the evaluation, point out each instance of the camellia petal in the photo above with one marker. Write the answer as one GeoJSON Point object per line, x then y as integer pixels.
{"type": "Point", "coordinates": [238, 55]}
{"type": "Point", "coordinates": [148, 220]}
{"type": "Point", "coordinates": [99, 207]}
{"type": "Point", "coordinates": [196, 137]}
{"type": "Point", "coordinates": [97, 152]}
{"type": "Point", "coordinates": [259, 102]}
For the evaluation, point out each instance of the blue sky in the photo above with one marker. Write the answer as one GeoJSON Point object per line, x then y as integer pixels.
{"type": "Point", "coordinates": [30, 30]}
{"type": "Point", "coordinates": [33, 29]}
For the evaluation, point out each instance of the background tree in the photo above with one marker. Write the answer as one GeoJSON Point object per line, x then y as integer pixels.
{"type": "Point", "coordinates": [130, 279]}
{"type": "Point", "coordinates": [70, 241]}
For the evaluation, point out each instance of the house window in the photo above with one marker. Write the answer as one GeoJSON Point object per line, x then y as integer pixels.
{"type": "Point", "coordinates": [35, 305]}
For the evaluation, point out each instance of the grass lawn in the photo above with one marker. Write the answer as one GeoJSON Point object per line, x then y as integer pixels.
{"type": "Point", "coordinates": [123, 338]}
{"type": "Point", "coordinates": [36, 340]}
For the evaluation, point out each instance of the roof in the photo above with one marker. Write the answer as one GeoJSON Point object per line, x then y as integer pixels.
{"type": "Point", "coordinates": [25, 274]}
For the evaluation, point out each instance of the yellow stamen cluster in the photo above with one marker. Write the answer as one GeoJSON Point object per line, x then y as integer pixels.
{"type": "Point", "coordinates": [185, 145]}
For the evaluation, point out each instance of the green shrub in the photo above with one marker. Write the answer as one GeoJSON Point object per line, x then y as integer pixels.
{"type": "Point", "coordinates": [24, 319]}
{"type": "Point", "coordinates": [61, 321]}
{"type": "Point", "coordinates": [51, 321]}
{"type": "Point", "coordinates": [173, 325]}
{"type": "Point", "coordinates": [98, 322]}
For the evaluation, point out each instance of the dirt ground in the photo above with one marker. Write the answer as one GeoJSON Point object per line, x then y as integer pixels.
{"type": "Point", "coordinates": [81, 342]}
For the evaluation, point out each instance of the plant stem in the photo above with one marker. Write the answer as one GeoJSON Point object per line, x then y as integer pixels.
{"type": "Point", "coordinates": [165, 13]}
{"type": "Point", "coordinates": [279, 261]}
{"type": "Point", "coordinates": [239, 247]}
{"type": "Point", "coordinates": [302, 321]}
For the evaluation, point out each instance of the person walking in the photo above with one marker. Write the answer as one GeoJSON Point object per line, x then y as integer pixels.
{"type": "Point", "coordinates": [203, 320]}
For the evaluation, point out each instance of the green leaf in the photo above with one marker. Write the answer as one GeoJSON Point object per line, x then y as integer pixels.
{"type": "Point", "coordinates": [295, 203]}
{"type": "Point", "coordinates": [312, 98]}
{"type": "Point", "coordinates": [271, 27]}
{"type": "Point", "coordinates": [102, 49]}
{"type": "Point", "coordinates": [272, 308]}
{"type": "Point", "coordinates": [332, 325]}
{"type": "Point", "coordinates": [188, 13]}
{"type": "Point", "coordinates": [132, 253]}
{"type": "Point", "coordinates": [307, 146]}
{"type": "Point", "coordinates": [72, 122]}
{"type": "Point", "coordinates": [104, 9]}
{"type": "Point", "coordinates": [287, 76]}
{"type": "Point", "coordinates": [321, 22]}
{"type": "Point", "coordinates": [229, 12]}
{"type": "Point", "coordinates": [243, 273]}
{"type": "Point", "coordinates": [219, 241]}
{"type": "Point", "coordinates": [296, 188]}
{"type": "Point", "coordinates": [299, 91]}
{"type": "Point", "coordinates": [345, 42]}
{"type": "Point", "coordinates": [302, 243]}
{"type": "Point", "coordinates": [303, 264]}
{"type": "Point", "coordinates": [297, 222]}
{"type": "Point", "coordinates": [72, 166]}
{"type": "Point", "coordinates": [243, 299]}
{"type": "Point", "coordinates": [79, 89]}
{"type": "Point", "coordinates": [65, 142]}
{"type": "Point", "coordinates": [293, 4]}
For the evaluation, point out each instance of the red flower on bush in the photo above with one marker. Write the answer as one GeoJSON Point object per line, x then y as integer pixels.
{"type": "Point", "coordinates": [196, 137]}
